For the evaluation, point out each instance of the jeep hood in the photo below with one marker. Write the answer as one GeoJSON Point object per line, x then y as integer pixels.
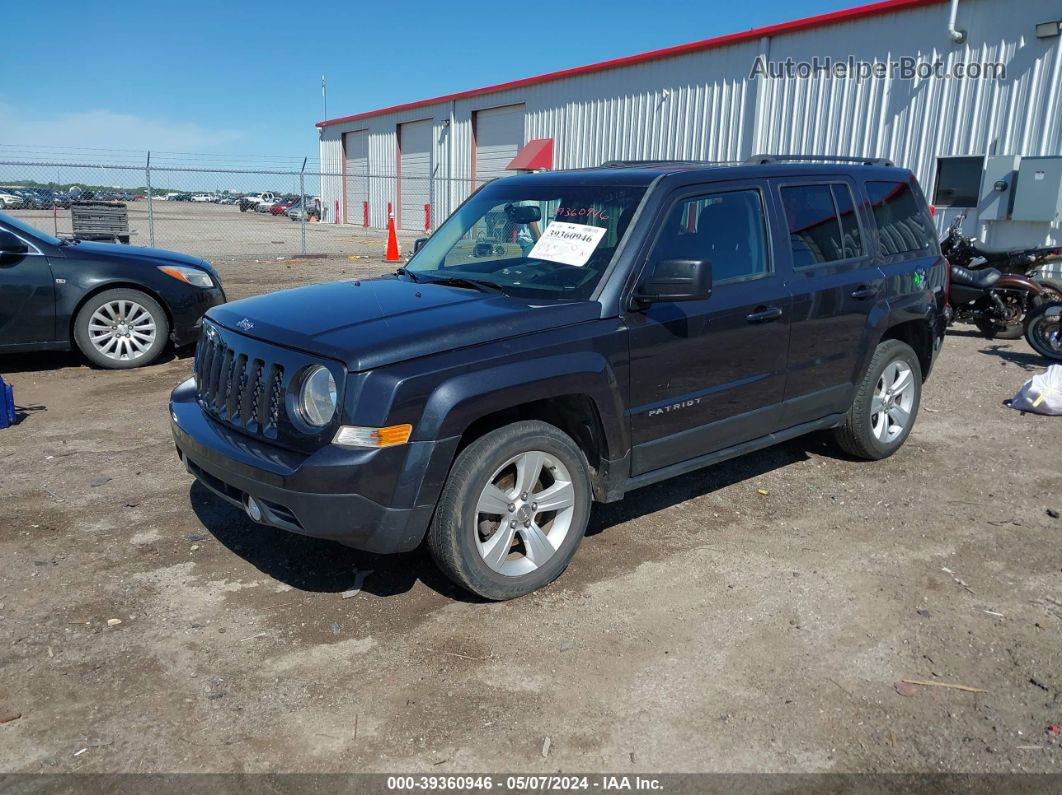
{"type": "Point", "coordinates": [376, 322]}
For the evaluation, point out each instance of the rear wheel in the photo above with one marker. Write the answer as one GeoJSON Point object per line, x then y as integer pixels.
{"type": "Point", "coordinates": [1043, 330]}
{"type": "Point", "coordinates": [513, 511]}
{"type": "Point", "coordinates": [120, 329]}
{"type": "Point", "coordinates": [1017, 305]}
{"type": "Point", "coordinates": [885, 405]}
{"type": "Point", "coordinates": [1053, 284]}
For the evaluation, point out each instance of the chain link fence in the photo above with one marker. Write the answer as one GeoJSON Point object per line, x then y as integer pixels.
{"type": "Point", "coordinates": [228, 212]}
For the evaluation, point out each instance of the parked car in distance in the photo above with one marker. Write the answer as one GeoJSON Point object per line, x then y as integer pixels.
{"type": "Point", "coordinates": [202, 198]}
{"type": "Point", "coordinates": [10, 201]}
{"type": "Point", "coordinates": [281, 206]}
{"type": "Point", "coordinates": [252, 200]}
{"type": "Point", "coordinates": [296, 213]}
{"type": "Point", "coordinates": [119, 305]}
{"type": "Point", "coordinates": [565, 338]}
{"type": "Point", "coordinates": [266, 205]}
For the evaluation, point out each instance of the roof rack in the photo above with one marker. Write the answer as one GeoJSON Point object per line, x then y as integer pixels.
{"type": "Point", "coordinates": [763, 160]}
{"type": "Point", "coordinates": [637, 163]}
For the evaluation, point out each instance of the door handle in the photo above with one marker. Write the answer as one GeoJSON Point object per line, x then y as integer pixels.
{"type": "Point", "coordinates": [764, 315]}
{"type": "Point", "coordinates": [864, 291]}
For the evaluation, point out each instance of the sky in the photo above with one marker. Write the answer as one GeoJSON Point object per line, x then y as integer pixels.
{"type": "Point", "coordinates": [241, 81]}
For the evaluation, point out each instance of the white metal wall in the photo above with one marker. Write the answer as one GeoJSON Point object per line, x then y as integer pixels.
{"type": "Point", "coordinates": [704, 106]}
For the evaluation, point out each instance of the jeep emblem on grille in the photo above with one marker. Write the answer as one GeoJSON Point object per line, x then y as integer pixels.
{"type": "Point", "coordinates": [245, 324]}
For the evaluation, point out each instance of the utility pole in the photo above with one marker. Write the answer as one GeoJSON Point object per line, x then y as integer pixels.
{"type": "Point", "coordinates": [324, 97]}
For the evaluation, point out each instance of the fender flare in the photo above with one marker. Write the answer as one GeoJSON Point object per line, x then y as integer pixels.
{"type": "Point", "coordinates": [459, 401]}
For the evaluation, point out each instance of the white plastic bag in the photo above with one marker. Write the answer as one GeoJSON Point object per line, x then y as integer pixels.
{"type": "Point", "coordinates": [1041, 394]}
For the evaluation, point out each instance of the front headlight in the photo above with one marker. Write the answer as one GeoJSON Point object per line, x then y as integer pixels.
{"type": "Point", "coordinates": [192, 276]}
{"type": "Point", "coordinates": [317, 398]}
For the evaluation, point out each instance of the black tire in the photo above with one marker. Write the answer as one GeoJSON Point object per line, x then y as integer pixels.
{"type": "Point", "coordinates": [454, 536]}
{"type": "Point", "coordinates": [992, 331]}
{"type": "Point", "coordinates": [149, 304]}
{"type": "Point", "coordinates": [856, 435]}
{"type": "Point", "coordinates": [1041, 327]}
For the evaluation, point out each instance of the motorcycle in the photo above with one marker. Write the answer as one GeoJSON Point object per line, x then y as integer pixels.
{"type": "Point", "coordinates": [1043, 330]}
{"type": "Point", "coordinates": [968, 252]}
{"type": "Point", "coordinates": [994, 301]}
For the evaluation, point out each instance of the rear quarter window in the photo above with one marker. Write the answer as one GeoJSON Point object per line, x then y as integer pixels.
{"type": "Point", "coordinates": [903, 222]}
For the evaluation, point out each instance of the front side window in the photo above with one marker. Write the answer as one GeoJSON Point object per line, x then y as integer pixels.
{"type": "Point", "coordinates": [822, 224]}
{"type": "Point", "coordinates": [727, 229]}
{"type": "Point", "coordinates": [902, 219]}
{"type": "Point", "coordinates": [548, 241]}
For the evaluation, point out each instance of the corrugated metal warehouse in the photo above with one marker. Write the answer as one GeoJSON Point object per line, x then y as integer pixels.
{"type": "Point", "coordinates": [703, 101]}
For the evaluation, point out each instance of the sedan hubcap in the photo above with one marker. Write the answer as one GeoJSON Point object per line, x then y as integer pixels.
{"type": "Point", "coordinates": [122, 330]}
{"type": "Point", "coordinates": [524, 513]}
{"type": "Point", "coordinates": [890, 408]}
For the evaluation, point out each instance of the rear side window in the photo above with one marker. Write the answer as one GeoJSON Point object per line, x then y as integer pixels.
{"type": "Point", "coordinates": [903, 223]}
{"type": "Point", "coordinates": [727, 229]}
{"type": "Point", "coordinates": [822, 224]}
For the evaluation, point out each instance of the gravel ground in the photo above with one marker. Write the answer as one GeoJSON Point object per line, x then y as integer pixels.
{"type": "Point", "coordinates": [755, 616]}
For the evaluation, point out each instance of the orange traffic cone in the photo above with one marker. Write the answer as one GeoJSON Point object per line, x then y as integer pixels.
{"type": "Point", "coordinates": [392, 241]}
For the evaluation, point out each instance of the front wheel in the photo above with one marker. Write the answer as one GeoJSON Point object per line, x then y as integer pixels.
{"type": "Point", "coordinates": [120, 329]}
{"type": "Point", "coordinates": [1043, 330]}
{"type": "Point", "coordinates": [513, 511]}
{"type": "Point", "coordinates": [885, 405]}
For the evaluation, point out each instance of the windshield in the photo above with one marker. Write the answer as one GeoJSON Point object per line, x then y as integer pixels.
{"type": "Point", "coordinates": [550, 241]}
{"type": "Point", "coordinates": [29, 231]}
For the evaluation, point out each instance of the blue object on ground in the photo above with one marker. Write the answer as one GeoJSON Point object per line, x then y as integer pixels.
{"type": "Point", "coordinates": [7, 404]}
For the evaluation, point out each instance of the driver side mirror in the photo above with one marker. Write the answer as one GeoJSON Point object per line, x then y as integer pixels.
{"type": "Point", "coordinates": [12, 249]}
{"type": "Point", "coordinates": [676, 280]}
{"type": "Point", "coordinates": [419, 243]}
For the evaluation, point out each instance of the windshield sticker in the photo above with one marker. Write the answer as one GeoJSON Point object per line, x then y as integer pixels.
{"type": "Point", "coordinates": [582, 212]}
{"type": "Point", "coordinates": [571, 244]}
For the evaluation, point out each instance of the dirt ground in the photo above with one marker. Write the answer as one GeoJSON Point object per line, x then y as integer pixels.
{"type": "Point", "coordinates": [704, 625]}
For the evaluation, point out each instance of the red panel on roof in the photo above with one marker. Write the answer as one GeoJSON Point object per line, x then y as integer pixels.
{"type": "Point", "coordinates": [875, 9]}
{"type": "Point", "coordinates": [536, 154]}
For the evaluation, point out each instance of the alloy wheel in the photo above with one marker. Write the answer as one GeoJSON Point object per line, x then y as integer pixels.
{"type": "Point", "coordinates": [122, 330]}
{"type": "Point", "coordinates": [524, 513]}
{"type": "Point", "coordinates": [890, 408]}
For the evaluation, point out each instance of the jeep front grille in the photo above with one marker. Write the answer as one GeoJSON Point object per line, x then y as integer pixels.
{"type": "Point", "coordinates": [237, 387]}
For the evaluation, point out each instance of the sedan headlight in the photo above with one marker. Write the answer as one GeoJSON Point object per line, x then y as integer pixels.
{"type": "Point", "coordinates": [192, 276]}
{"type": "Point", "coordinates": [317, 398]}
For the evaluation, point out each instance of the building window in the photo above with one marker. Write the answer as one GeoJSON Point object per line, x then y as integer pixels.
{"type": "Point", "coordinates": [822, 224]}
{"type": "Point", "coordinates": [903, 224]}
{"type": "Point", "coordinates": [958, 181]}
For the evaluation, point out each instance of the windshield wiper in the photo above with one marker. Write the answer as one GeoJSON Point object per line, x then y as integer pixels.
{"type": "Point", "coordinates": [461, 281]}
{"type": "Point", "coordinates": [406, 272]}
{"type": "Point", "coordinates": [69, 241]}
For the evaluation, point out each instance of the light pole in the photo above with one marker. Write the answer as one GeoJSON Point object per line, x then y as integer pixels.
{"type": "Point", "coordinates": [324, 97]}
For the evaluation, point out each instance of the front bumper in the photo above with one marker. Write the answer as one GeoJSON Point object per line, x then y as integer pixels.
{"type": "Point", "coordinates": [188, 313]}
{"type": "Point", "coordinates": [374, 500]}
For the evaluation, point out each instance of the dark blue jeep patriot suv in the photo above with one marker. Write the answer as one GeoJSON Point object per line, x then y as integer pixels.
{"type": "Point", "coordinates": [564, 338]}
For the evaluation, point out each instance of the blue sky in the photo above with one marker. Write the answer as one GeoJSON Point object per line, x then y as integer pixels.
{"type": "Point", "coordinates": [243, 78]}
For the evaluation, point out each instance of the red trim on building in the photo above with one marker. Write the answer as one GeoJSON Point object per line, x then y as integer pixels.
{"type": "Point", "coordinates": [847, 15]}
{"type": "Point", "coordinates": [536, 154]}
